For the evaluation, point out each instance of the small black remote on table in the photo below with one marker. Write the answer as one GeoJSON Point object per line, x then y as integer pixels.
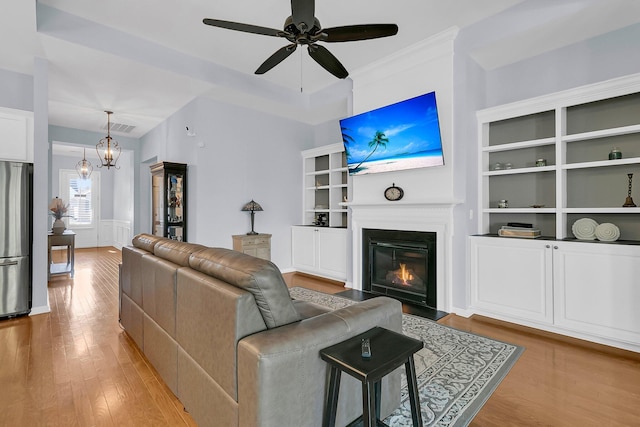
{"type": "Point", "coordinates": [366, 348]}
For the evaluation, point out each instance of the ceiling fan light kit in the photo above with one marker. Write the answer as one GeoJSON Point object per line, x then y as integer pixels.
{"type": "Point", "coordinates": [303, 28]}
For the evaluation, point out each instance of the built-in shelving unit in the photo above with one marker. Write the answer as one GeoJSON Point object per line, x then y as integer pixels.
{"type": "Point", "coordinates": [574, 132]}
{"type": "Point", "coordinates": [325, 186]}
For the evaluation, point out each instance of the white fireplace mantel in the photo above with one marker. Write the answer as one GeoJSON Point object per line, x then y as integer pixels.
{"type": "Point", "coordinates": [432, 216]}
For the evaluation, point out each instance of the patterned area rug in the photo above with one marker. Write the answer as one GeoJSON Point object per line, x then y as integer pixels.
{"type": "Point", "coordinates": [456, 371]}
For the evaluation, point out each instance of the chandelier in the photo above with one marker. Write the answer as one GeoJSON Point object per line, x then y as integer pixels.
{"type": "Point", "coordinates": [108, 150]}
{"type": "Point", "coordinates": [83, 167]}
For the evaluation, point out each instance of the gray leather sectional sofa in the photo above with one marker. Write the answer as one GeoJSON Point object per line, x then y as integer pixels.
{"type": "Point", "coordinates": [224, 334]}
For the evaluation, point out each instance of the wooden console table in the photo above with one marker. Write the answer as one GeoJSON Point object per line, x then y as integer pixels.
{"type": "Point", "coordinates": [65, 239]}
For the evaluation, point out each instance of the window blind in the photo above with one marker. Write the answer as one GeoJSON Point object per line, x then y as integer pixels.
{"type": "Point", "coordinates": [80, 202]}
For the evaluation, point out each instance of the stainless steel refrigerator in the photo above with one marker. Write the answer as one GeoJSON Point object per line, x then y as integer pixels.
{"type": "Point", "coordinates": [15, 238]}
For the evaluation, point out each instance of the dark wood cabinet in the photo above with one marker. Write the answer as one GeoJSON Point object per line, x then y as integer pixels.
{"type": "Point", "coordinates": [169, 200]}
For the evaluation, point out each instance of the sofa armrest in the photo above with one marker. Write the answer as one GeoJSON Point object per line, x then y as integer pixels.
{"type": "Point", "coordinates": [282, 379]}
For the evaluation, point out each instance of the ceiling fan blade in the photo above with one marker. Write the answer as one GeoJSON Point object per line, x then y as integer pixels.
{"type": "Point", "coordinates": [246, 28]}
{"type": "Point", "coordinates": [322, 56]}
{"type": "Point", "coordinates": [351, 33]}
{"type": "Point", "coordinates": [303, 11]}
{"type": "Point", "coordinates": [280, 55]}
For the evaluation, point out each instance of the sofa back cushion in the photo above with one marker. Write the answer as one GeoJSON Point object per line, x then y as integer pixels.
{"type": "Point", "coordinates": [176, 252]}
{"type": "Point", "coordinates": [258, 276]}
{"type": "Point", "coordinates": [212, 316]}
{"type": "Point", "coordinates": [146, 242]}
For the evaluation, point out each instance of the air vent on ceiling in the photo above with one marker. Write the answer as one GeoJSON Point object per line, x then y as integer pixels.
{"type": "Point", "coordinates": [119, 127]}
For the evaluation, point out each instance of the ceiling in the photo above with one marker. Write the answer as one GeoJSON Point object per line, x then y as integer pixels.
{"type": "Point", "coordinates": [145, 59]}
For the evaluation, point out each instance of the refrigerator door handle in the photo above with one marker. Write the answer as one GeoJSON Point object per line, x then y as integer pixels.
{"type": "Point", "coordinates": [7, 264]}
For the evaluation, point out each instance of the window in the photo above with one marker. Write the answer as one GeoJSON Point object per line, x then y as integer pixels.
{"type": "Point", "coordinates": [82, 197]}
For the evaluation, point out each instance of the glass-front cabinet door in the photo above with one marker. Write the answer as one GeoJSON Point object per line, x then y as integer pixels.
{"type": "Point", "coordinates": [168, 200]}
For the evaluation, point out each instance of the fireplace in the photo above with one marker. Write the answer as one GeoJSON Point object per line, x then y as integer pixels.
{"type": "Point", "coordinates": [400, 264]}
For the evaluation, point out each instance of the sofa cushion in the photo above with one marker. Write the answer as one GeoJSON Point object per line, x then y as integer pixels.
{"type": "Point", "coordinates": [176, 252]}
{"type": "Point", "coordinates": [146, 241]}
{"type": "Point", "coordinates": [258, 276]}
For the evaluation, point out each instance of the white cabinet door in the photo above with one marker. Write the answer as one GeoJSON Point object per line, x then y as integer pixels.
{"type": "Point", "coordinates": [14, 133]}
{"type": "Point", "coordinates": [304, 248]}
{"type": "Point", "coordinates": [332, 252]}
{"type": "Point", "coordinates": [512, 277]}
{"type": "Point", "coordinates": [597, 289]}
{"type": "Point", "coordinates": [320, 250]}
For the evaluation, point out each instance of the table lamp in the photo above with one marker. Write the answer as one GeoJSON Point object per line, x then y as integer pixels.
{"type": "Point", "coordinates": [252, 207]}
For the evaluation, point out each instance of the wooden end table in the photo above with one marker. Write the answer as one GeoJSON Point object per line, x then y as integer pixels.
{"type": "Point", "coordinates": [65, 239]}
{"type": "Point", "coordinates": [389, 350]}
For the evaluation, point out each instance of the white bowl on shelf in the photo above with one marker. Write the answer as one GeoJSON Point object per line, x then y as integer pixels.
{"type": "Point", "coordinates": [584, 229]}
{"type": "Point", "coordinates": [607, 232]}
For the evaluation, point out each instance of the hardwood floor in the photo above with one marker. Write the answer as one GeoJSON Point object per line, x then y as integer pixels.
{"type": "Point", "coordinates": [76, 367]}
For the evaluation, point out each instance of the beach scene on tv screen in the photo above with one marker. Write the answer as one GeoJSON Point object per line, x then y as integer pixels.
{"type": "Point", "coordinates": [405, 135]}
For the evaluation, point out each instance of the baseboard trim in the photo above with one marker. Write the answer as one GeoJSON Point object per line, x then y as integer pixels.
{"type": "Point", "coordinates": [43, 309]}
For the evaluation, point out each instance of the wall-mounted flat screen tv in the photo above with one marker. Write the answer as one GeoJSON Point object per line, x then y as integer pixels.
{"type": "Point", "coordinates": [404, 135]}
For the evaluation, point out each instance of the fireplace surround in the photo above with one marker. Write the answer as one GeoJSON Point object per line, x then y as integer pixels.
{"type": "Point", "coordinates": [400, 264]}
{"type": "Point", "coordinates": [435, 216]}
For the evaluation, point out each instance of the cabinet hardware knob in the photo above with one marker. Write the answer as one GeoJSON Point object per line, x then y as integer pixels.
{"type": "Point", "coordinates": [548, 246]}
{"type": "Point", "coordinates": [555, 247]}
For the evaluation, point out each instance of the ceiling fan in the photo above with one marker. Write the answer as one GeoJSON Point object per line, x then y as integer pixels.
{"type": "Point", "coordinates": [303, 28]}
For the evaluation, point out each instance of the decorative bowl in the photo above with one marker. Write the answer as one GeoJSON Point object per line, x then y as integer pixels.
{"type": "Point", "coordinates": [584, 229]}
{"type": "Point", "coordinates": [607, 232]}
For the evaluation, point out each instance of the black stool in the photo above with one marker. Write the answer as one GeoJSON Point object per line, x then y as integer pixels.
{"type": "Point", "coordinates": [389, 350]}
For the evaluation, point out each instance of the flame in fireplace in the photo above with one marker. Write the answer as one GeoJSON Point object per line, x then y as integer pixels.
{"type": "Point", "coordinates": [405, 276]}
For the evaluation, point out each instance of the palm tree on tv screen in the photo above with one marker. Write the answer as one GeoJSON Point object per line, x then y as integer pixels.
{"type": "Point", "coordinates": [346, 140]}
{"type": "Point", "coordinates": [379, 140]}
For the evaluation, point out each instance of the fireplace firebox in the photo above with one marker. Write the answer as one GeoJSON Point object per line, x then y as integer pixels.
{"type": "Point", "coordinates": [400, 264]}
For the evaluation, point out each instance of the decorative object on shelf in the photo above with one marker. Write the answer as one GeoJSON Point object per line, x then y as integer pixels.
{"type": "Point", "coordinates": [83, 167]}
{"type": "Point", "coordinates": [59, 210]}
{"type": "Point", "coordinates": [109, 146]}
{"type": "Point", "coordinates": [584, 229]}
{"type": "Point", "coordinates": [537, 206]}
{"type": "Point", "coordinates": [541, 162]}
{"type": "Point", "coordinates": [628, 203]}
{"type": "Point", "coordinates": [526, 232]}
{"type": "Point", "coordinates": [321, 220]}
{"type": "Point", "coordinates": [252, 207]}
{"type": "Point", "coordinates": [393, 193]}
{"type": "Point", "coordinates": [508, 166]}
{"type": "Point", "coordinates": [497, 166]}
{"type": "Point", "coordinates": [607, 232]}
{"type": "Point", "coordinates": [615, 154]}
{"type": "Point", "coordinates": [503, 203]}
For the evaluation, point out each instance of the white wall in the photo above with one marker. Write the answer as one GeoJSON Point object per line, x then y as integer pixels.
{"type": "Point", "coordinates": [237, 155]}
{"type": "Point", "coordinates": [16, 90]}
{"type": "Point", "coordinates": [422, 68]}
{"type": "Point", "coordinates": [614, 54]}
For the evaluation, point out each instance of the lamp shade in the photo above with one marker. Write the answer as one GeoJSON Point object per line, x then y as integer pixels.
{"type": "Point", "coordinates": [252, 207]}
